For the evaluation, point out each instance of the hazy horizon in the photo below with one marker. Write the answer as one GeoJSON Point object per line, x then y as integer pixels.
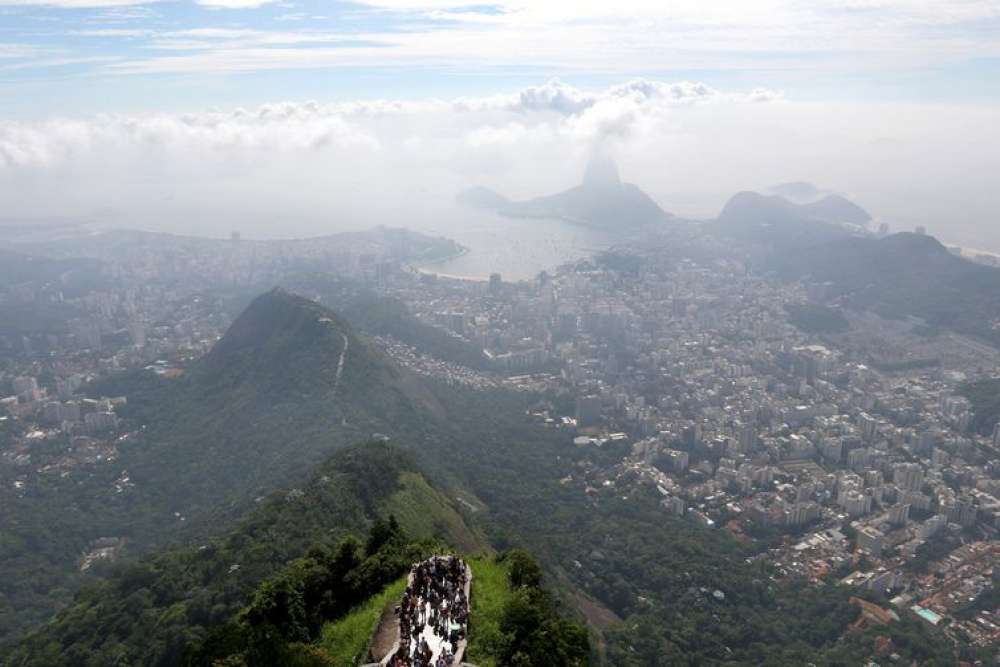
{"type": "Point", "coordinates": [306, 169]}
{"type": "Point", "coordinates": [174, 116]}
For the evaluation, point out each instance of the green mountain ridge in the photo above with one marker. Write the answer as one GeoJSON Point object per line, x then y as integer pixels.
{"type": "Point", "coordinates": [157, 610]}
{"type": "Point", "coordinates": [775, 221]}
{"type": "Point", "coordinates": [903, 275]}
{"type": "Point", "coordinates": [255, 414]}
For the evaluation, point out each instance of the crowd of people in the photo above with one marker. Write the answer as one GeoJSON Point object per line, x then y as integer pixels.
{"type": "Point", "coordinates": [433, 615]}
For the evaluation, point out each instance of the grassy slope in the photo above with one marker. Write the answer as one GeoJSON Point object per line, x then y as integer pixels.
{"type": "Point", "coordinates": [490, 592]}
{"type": "Point", "coordinates": [346, 640]}
{"type": "Point", "coordinates": [428, 513]}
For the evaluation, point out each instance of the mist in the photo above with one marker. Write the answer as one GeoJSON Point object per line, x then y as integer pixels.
{"type": "Point", "coordinates": [294, 169]}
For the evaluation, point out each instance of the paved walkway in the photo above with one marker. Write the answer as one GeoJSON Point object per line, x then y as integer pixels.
{"type": "Point", "coordinates": [416, 607]}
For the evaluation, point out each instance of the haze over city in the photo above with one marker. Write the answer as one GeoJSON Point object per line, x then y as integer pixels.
{"type": "Point", "coordinates": [302, 118]}
{"type": "Point", "coordinates": [502, 333]}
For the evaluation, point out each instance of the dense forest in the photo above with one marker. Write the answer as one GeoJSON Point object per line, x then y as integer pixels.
{"type": "Point", "coordinates": [263, 594]}
{"type": "Point", "coordinates": [155, 610]}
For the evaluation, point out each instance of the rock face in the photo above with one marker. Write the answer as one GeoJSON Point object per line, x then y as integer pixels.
{"type": "Point", "coordinates": [601, 201]}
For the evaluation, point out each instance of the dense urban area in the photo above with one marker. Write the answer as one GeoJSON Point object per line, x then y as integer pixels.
{"type": "Point", "coordinates": [848, 449]}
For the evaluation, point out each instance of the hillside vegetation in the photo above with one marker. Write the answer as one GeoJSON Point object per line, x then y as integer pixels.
{"type": "Point", "coordinates": [158, 610]}
{"type": "Point", "coordinates": [904, 275]}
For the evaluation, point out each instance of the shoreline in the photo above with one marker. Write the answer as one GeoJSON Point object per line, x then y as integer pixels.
{"type": "Point", "coordinates": [450, 276]}
{"type": "Point", "coordinates": [426, 268]}
{"type": "Point", "coordinates": [462, 252]}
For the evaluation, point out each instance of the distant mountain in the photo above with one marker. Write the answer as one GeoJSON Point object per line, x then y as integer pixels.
{"type": "Point", "coordinates": [776, 222]}
{"type": "Point", "coordinates": [602, 201]}
{"type": "Point", "coordinates": [838, 210]}
{"type": "Point", "coordinates": [797, 191]}
{"type": "Point", "coordinates": [480, 197]}
{"type": "Point", "coordinates": [773, 220]}
{"type": "Point", "coordinates": [904, 274]}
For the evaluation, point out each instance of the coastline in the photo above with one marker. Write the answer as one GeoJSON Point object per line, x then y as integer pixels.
{"type": "Point", "coordinates": [426, 267]}
{"type": "Point", "coordinates": [424, 271]}
{"type": "Point", "coordinates": [461, 252]}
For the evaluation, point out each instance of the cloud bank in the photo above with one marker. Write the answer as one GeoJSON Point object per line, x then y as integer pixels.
{"type": "Point", "coordinates": [292, 169]}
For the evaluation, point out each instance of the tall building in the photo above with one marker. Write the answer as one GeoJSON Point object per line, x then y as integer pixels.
{"type": "Point", "coordinates": [908, 476]}
{"type": "Point", "coordinates": [833, 450]}
{"type": "Point", "coordinates": [871, 540]}
{"type": "Point", "coordinates": [899, 514]}
{"type": "Point", "coordinates": [868, 426]}
{"type": "Point", "coordinates": [678, 460]}
{"type": "Point", "coordinates": [926, 441]}
{"type": "Point", "coordinates": [97, 422]}
{"type": "Point", "coordinates": [748, 437]}
{"type": "Point", "coordinates": [801, 513]}
{"type": "Point", "coordinates": [963, 513]}
{"type": "Point", "coordinates": [496, 283]}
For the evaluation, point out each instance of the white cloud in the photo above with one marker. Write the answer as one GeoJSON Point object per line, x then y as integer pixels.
{"type": "Point", "coordinates": [234, 4]}
{"type": "Point", "coordinates": [301, 168]}
{"type": "Point", "coordinates": [592, 36]}
{"type": "Point", "coordinates": [291, 127]}
{"type": "Point", "coordinates": [75, 4]}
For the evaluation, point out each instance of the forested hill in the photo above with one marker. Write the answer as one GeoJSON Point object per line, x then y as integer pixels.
{"type": "Point", "coordinates": [904, 274]}
{"type": "Point", "coordinates": [289, 382]}
{"type": "Point", "coordinates": [775, 222]}
{"type": "Point", "coordinates": [377, 315]}
{"type": "Point", "coordinates": [160, 609]}
{"type": "Point", "coordinates": [256, 414]}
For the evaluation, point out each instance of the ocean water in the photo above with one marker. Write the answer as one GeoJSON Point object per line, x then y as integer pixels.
{"type": "Point", "coordinates": [516, 249]}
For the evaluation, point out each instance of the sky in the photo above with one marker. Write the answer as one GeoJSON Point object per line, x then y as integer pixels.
{"type": "Point", "coordinates": [298, 116]}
